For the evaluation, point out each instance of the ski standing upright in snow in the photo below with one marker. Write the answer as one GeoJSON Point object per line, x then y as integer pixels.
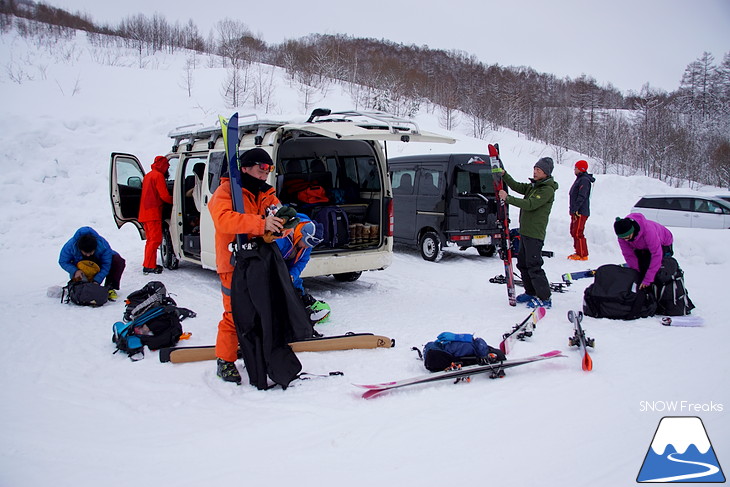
{"type": "Point", "coordinates": [229, 128]}
{"type": "Point", "coordinates": [521, 330]}
{"type": "Point", "coordinates": [579, 339]}
{"type": "Point", "coordinates": [458, 373]}
{"type": "Point", "coordinates": [505, 249]}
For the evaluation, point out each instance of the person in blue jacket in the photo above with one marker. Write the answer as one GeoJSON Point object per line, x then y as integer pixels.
{"type": "Point", "coordinates": [296, 249]}
{"type": "Point", "coordinates": [88, 245]}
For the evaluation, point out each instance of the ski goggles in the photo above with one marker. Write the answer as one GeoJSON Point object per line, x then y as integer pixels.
{"type": "Point", "coordinates": [265, 166]}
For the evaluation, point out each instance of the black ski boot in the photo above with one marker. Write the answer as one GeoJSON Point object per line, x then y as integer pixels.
{"type": "Point", "coordinates": [228, 372]}
{"type": "Point", "coordinates": [152, 270]}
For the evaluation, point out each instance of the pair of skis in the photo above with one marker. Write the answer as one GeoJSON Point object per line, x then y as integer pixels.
{"type": "Point", "coordinates": [456, 373]}
{"type": "Point", "coordinates": [505, 248]}
{"type": "Point", "coordinates": [580, 340]}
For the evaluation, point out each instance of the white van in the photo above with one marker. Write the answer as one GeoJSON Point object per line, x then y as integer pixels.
{"type": "Point", "coordinates": [342, 154]}
{"type": "Point", "coordinates": [685, 210]}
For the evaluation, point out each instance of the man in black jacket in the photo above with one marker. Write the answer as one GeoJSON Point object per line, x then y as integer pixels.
{"type": "Point", "coordinates": [580, 209]}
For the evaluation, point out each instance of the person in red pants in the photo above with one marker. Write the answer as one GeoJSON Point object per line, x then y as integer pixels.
{"type": "Point", "coordinates": [580, 209]}
{"type": "Point", "coordinates": [154, 195]}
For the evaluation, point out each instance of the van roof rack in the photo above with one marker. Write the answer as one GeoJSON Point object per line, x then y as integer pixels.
{"type": "Point", "coordinates": [375, 119]}
{"type": "Point", "coordinates": [250, 123]}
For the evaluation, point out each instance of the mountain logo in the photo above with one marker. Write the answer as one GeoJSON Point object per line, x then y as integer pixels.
{"type": "Point", "coordinates": [681, 452]}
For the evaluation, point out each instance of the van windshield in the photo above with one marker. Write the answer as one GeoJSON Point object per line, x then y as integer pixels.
{"type": "Point", "coordinates": [474, 178]}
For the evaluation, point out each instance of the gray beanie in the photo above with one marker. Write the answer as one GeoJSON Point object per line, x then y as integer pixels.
{"type": "Point", "coordinates": [546, 164]}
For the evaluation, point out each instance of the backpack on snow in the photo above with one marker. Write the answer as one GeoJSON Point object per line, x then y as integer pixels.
{"type": "Point", "coordinates": [85, 293]}
{"type": "Point", "coordinates": [615, 294]}
{"type": "Point", "coordinates": [336, 226]}
{"type": "Point", "coordinates": [158, 327]}
{"type": "Point", "coordinates": [671, 295]}
{"type": "Point", "coordinates": [151, 318]}
{"type": "Point", "coordinates": [465, 348]}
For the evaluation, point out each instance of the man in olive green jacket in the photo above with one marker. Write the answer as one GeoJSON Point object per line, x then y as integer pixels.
{"type": "Point", "coordinates": [534, 213]}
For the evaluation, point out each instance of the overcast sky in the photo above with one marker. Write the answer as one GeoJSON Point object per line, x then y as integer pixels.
{"type": "Point", "coordinates": [623, 42]}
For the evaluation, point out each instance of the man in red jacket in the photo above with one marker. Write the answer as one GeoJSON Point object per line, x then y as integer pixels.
{"type": "Point", "coordinates": [154, 195]}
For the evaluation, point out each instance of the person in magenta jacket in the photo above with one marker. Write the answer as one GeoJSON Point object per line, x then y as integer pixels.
{"type": "Point", "coordinates": [644, 243]}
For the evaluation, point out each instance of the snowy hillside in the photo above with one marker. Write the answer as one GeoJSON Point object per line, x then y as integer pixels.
{"type": "Point", "coordinates": [73, 414]}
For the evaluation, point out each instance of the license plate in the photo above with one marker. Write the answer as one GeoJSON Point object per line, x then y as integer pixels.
{"type": "Point", "coordinates": [481, 240]}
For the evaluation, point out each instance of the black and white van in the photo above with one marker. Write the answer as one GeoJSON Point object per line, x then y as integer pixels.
{"type": "Point", "coordinates": [444, 199]}
{"type": "Point", "coordinates": [342, 153]}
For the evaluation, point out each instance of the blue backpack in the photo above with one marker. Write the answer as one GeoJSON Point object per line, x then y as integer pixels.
{"type": "Point", "coordinates": [336, 226]}
{"type": "Point", "coordinates": [463, 348]}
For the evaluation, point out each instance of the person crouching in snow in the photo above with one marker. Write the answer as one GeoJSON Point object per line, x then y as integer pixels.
{"type": "Point", "coordinates": [644, 243]}
{"type": "Point", "coordinates": [261, 310]}
{"type": "Point", "coordinates": [296, 249]}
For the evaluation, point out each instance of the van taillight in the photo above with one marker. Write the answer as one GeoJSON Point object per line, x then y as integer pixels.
{"type": "Point", "coordinates": [457, 238]}
{"type": "Point", "coordinates": [391, 219]}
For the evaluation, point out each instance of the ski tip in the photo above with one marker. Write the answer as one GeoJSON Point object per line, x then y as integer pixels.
{"type": "Point", "coordinates": [374, 386]}
{"type": "Point", "coordinates": [587, 362]}
{"type": "Point", "coordinates": [540, 312]}
{"type": "Point", "coordinates": [553, 353]}
{"type": "Point", "coordinates": [372, 393]}
{"type": "Point", "coordinates": [503, 347]}
{"type": "Point", "coordinates": [493, 152]}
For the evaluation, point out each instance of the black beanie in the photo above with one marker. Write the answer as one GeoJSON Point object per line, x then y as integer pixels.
{"type": "Point", "coordinates": [546, 165]}
{"type": "Point", "coordinates": [623, 227]}
{"type": "Point", "coordinates": [253, 157]}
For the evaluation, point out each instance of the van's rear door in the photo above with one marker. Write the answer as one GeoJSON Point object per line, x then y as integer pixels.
{"type": "Point", "coordinates": [125, 189]}
{"type": "Point", "coordinates": [471, 201]}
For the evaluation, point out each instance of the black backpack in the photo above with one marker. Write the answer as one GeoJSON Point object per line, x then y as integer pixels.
{"type": "Point", "coordinates": [465, 349]}
{"type": "Point", "coordinates": [85, 293]}
{"type": "Point", "coordinates": [671, 295]}
{"type": "Point", "coordinates": [336, 226]}
{"type": "Point", "coordinates": [153, 294]}
{"type": "Point", "coordinates": [615, 294]}
{"type": "Point", "coordinates": [158, 327]}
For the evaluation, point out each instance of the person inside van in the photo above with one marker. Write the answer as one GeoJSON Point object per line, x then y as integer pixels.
{"type": "Point", "coordinates": [534, 213]}
{"type": "Point", "coordinates": [88, 247]}
{"type": "Point", "coordinates": [644, 243]}
{"type": "Point", "coordinates": [196, 191]}
{"type": "Point", "coordinates": [261, 310]}
{"type": "Point", "coordinates": [154, 195]}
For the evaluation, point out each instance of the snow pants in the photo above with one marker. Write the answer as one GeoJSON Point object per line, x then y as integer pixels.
{"type": "Point", "coordinates": [577, 229]}
{"type": "Point", "coordinates": [153, 233]}
{"type": "Point", "coordinates": [226, 343]}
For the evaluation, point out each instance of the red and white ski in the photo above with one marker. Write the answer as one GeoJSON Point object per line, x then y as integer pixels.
{"type": "Point", "coordinates": [494, 370]}
{"type": "Point", "coordinates": [505, 248]}
{"type": "Point", "coordinates": [580, 340]}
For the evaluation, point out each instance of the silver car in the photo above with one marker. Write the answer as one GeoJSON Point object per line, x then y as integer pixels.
{"type": "Point", "coordinates": [685, 210]}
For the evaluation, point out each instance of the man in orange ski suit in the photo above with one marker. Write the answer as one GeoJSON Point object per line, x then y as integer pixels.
{"type": "Point", "coordinates": [257, 197]}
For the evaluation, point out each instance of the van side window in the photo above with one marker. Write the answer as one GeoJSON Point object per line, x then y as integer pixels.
{"type": "Point", "coordinates": [403, 181]}
{"type": "Point", "coordinates": [429, 182]}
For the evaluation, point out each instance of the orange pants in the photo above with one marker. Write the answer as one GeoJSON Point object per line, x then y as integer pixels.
{"type": "Point", "coordinates": [577, 229]}
{"type": "Point", "coordinates": [226, 343]}
{"type": "Point", "coordinates": [153, 234]}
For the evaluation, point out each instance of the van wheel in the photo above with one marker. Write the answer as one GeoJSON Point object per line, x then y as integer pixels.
{"type": "Point", "coordinates": [431, 247]}
{"type": "Point", "coordinates": [169, 261]}
{"type": "Point", "coordinates": [486, 250]}
{"type": "Point", "coordinates": [347, 276]}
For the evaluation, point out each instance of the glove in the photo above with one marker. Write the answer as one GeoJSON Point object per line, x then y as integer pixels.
{"type": "Point", "coordinates": [289, 215]}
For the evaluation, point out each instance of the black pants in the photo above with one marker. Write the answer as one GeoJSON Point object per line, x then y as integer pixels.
{"type": "Point", "coordinates": [114, 277]}
{"type": "Point", "coordinates": [644, 257]}
{"type": "Point", "coordinates": [529, 263]}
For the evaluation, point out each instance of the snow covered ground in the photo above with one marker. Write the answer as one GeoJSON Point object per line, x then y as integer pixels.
{"type": "Point", "coordinates": [73, 414]}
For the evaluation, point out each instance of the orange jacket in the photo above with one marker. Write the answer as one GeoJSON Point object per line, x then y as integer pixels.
{"type": "Point", "coordinates": [154, 192]}
{"type": "Point", "coordinates": [229, 223]}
